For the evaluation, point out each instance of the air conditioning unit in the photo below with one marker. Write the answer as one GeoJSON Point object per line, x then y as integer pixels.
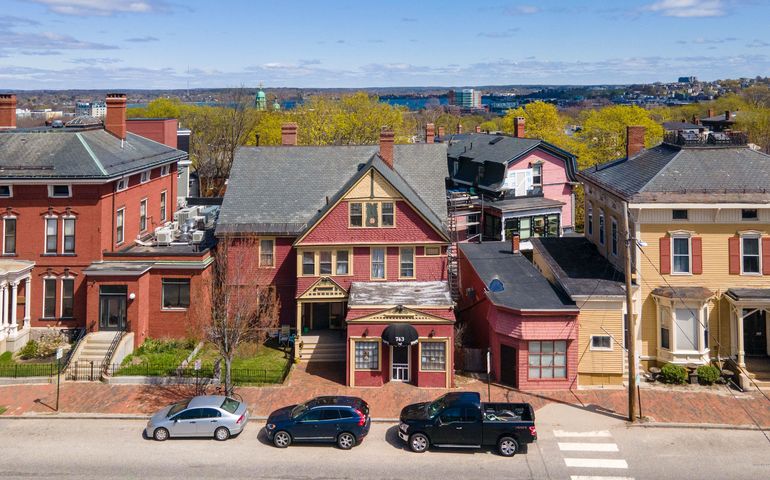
{"type": "Point", "coordinates": [164, 237]}
{"type": "Point", "coordinates": [197, 236]}
{"type": "Point", "coordinates": [181, 216]}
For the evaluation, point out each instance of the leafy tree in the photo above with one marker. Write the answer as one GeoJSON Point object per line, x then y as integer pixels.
{"type": "Point", "coordinates": [604, 132]}
{"type": "Point", "coordinates": [542, 120]}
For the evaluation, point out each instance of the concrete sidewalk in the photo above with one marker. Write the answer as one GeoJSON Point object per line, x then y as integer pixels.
{"type": "Point", "coordinates": [716, 406]}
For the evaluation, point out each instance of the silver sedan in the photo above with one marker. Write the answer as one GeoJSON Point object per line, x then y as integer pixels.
{"type": "Point", "coordinates": [203, 416]}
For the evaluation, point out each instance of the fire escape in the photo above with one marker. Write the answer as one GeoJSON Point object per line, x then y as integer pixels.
{"type": "Point", "coordinates": [463, 226]}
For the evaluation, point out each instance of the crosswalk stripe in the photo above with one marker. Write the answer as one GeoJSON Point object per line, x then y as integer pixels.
{"type": "Point", "coordinates": [595, 463]}
{"type": "Point", "coordinates": [594, 434]}
{"type": "Point", "coordinates": [598, 477]}
{"type": "Point", "coordinates": [587, 447]}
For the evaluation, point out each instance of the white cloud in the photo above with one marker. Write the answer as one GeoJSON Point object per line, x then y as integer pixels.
{"type": "Point", "coordinates": [145, 39]}
{"type": "Point", "coordinates": [688, 8]}
{"type": "Point", "coordinates": [504, 34]}
{"type": "Point", "coordinates": [104, 7]}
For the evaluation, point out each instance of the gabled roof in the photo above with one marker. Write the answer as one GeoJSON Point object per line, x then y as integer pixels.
{"type": "Point", "coordinates": [284, 190]}
{"type": "Point", "coordinates": [524, 287]}
{"type": "Point", "coordinates": [85, 154]}
{"type": "Point", "coordinates": [699, 174]}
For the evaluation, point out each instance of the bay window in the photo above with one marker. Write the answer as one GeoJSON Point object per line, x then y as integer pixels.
{"type": "Point", "coordinates": [687, 329]}
{"type": "Point", "coordinates": [548, 359]}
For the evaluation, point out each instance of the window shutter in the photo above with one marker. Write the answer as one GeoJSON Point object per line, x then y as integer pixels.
{"type": "Point", "coordinates": [734, 244]}
{"type": "Point", "coordinates": [697, 255]}
{"type": "Point", "coordinates": [766, 256]}
{"type": "Point", "coordinates": [665, 255]}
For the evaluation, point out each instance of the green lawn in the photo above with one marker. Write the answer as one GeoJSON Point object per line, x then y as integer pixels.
{"type": "Point", "coordinates": [156, 357]}
{"type": "Point", "coordinates": [9, 367]}
{"type": "Point", "coordinates": [254, 364]}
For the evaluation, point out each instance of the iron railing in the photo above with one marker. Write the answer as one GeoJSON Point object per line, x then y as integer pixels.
{"type": "Point", "coordinates": [240, 376]}
{"type": "Point", "coordinates": [111, 351]}
{"type": "Point", "coordinates": [18, 370]}
{"type": "Point", "coordinates": [711, 139]}
{"type": "Point", "coordinates": [77, 336]}
{"type": "Point", "coordinates": [88, 371]}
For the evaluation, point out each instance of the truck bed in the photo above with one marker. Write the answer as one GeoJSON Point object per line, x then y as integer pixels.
{"type": "Point", "coordinates": [508, 412]}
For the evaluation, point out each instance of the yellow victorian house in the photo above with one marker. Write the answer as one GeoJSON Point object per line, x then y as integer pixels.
{"type": "Point", "coordinates": [699, 210]}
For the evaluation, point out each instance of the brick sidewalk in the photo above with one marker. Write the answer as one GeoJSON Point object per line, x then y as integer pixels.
{"type": "Point", "coordinates": [674, 405]}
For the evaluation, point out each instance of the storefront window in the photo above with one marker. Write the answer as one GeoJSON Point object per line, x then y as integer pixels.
{"type": "Point", "coordinates": [367, 355]}
{"type": "Point", "coordinates": [548, 359]}
{"type": "Point", "coordinates": [433, 356]}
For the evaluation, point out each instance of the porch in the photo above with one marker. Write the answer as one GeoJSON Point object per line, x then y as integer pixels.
{"type": "Point", "coordinates": [750, 316]}
{"type": "Point", "coordinates": [13, 275]}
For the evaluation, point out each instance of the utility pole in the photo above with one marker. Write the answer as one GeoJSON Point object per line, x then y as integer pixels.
{"type": "Point", "coordinates": [631, 347]}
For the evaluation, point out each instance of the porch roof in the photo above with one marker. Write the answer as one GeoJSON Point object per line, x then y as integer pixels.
{"type": "Point", "coordinates": [427, 294]}
{"type": "Point", "coordinates": [749, 293]}
{"type": "Point", "coordinates": [117, 269]}
{"type": "Point", "coordinates": [524, 204]}
{"type": "Point", "coordinates": [690, 293]}
{"type": "Point", "coordinates": [8, 266]}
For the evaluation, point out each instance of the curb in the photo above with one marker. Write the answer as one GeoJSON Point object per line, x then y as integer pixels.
{"type": "Point", "coordinates": [124, 416]}
{"type": "Point", "coordinates": [704, 426]}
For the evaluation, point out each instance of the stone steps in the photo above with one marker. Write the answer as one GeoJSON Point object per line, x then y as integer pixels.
{"type": "Point", "coordinates": [322, 349]}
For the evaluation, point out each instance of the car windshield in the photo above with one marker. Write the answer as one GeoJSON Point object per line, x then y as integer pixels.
{"type": "Point", "coordinates": [177, 407]}
{"type": "Point", "coordinates": [230, 405]}
{"type": "Point", "coordinates": [299, 410]}
{"type": "Point", "coordinates": [435, 407]}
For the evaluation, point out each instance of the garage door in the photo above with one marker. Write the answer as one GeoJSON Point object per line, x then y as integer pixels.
{"type": "Point", "coordinates": [508, 366]}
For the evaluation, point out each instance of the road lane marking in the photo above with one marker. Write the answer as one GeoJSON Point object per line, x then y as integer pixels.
{"type": "Point", "coordinates": [587, 447]}
{"type": "Point", "coordinates": [594, 434]}
{"type": "Point", "coordinates": [595, 463]}
{"type": "Point", "coordinates": [597, 477]}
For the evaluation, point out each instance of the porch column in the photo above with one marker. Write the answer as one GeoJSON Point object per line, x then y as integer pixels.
{"type": "Point", "coordinates": [6, 294]}
{"type": "Point", "coordinates": [741, 351]}
{"type": "Point", "coordinates": [298, 338]}
{"type": "Point", "coordinates": [14, 294]}
{"type": "Point", "coordinates": [27, 300]}
{"type": "Point", "coordinates": [3, 302]}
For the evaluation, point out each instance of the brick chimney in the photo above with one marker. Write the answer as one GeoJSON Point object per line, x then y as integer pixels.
{"type": "Point", "coordinates": [115, 121]}
{"type": "Point", "coordinates": [518, 127]}
{"type": "Point", "coordinates": [441, 132]}
{"type": "Point", "coordinates": [478, 128]}
{"type": "Point", "coordinates": [430, 133]}
{"type": "Point", "coordinates": [515, 243]}
{"type": "Point", "coordinates": [711, 112]}
{"type": "Point", "coordinates": [386, 146]}
{"type": "Point", "coordinates": [727, 114]}
{"type": "Point", "coordinates": [289, 134]}
{"type": "Point", "coordinates": [459, 128]}
{"type": "Point", "coordinates": [634, 140]}
{"type": "Point", "coordinates": [7, 111]}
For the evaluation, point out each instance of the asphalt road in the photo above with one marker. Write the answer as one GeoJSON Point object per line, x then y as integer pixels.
{"type": "Point", "coordinates": [573, 444]}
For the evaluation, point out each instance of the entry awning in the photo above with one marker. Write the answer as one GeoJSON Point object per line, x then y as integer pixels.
{"type": "Point", "coordinates": [400, 335]}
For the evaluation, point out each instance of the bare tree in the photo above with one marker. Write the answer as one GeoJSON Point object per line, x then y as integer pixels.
{"type": "Point", "coordinates": [242, 310]}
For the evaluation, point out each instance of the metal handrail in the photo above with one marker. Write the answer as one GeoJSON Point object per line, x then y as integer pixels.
{"type": "Point", "coordinates": [113, 346]}
{"type": "Point", "coordinates": [79, 336]}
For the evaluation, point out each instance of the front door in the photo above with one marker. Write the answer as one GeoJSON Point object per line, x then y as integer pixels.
{"type": "Point", "coordinates": [336, 314]}
{"type": "Point", "coordinates": [320, 316]}
{"type": "Point", "coordinates": [508, 362]}
{"type": "Point", "coordinates": [755, 334]}
{"type": "Point", "coordinates": [112, 307]}
{"type": "Point", "coordinates": [400, 363]}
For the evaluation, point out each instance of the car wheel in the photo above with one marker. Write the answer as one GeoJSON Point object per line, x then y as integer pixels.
{"type": "Point", "coordinates": [222, 434]}
{"type": "Point", "coordinates": [508, 446]}
{"type": "Point", "coordinates": [281, 439]}
{"type": "Point", "coordinates": [346, 441]}
{"type": "Point", "coordinates": [418, 443]}
{"type": "Point", "coordinates": [160, 434]}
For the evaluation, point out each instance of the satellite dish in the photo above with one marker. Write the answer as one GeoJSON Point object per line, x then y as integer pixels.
{"type": "Point", "coordinates": [496, 286]}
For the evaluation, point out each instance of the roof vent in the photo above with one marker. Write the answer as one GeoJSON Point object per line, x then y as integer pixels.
{"type": "Point", "coordinates": [360, 166]}
{"type": "Point", "coordinates": [496, 285]}
{"type": "Point", "coordinates": [495, 140]}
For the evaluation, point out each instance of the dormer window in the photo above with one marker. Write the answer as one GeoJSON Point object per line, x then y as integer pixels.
{"type": "Point", "coordinates": [59, 191]}
{"type": "Point", "coordinates": [6, 191]}
{"type": "Point", "coordinates": [144, 177]}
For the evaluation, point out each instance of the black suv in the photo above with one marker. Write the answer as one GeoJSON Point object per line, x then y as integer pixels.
{"type": "Point", "coordinates": [341, 420]}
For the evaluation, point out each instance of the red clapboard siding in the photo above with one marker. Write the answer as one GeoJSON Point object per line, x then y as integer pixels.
{"type": "Point", "coordinates": [665, 255]}
{"type": "Point", "coordinates": [734, 247]}
{"type": "Point", "coordinates": [697, 255]}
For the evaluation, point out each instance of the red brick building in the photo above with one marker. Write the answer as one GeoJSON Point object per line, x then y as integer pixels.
{"type": "Point", "coordinates": [529, 325]}
{"type": "Point", "coordinates": [353, 238]}
{"type": "Point", "coordinates": [80, 206]}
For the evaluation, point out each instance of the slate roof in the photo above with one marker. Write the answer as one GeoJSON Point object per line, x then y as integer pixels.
{"type": "Point", "coordinates": [525, 288]}
{"type": "Point", "coordinates": [681, 126]}
{"type": "Point", "coordinates": [701, 174]}
{"type": "Point", "coordinates": [749, 293]}
{"type": "Point", "coordinates": [283, 190]}
{"type": "Point", "coordinates": [83, 154]}
{"type": "Point", "coordinates": [425, 294]}
{"type": "Point", "coordinates": [579, 267]}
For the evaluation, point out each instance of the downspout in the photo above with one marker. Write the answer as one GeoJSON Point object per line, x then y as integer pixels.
{"type": "Point", "coordinates": [112, 216]}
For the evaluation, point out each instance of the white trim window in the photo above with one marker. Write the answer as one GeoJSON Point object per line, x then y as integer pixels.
{"type": "Point", "coordinates": [537, 175]}
{"type": "Point", "coordinates": [68, 235]}
{"type": "Point", "coordinates": [163, 206]}
{"type": "Point", "coordinates": [378, 263]}
{"type": "Point", "coordinates": [144, 177]}
{"type": "Point", "coordinates": [143, 215]}
{"type": "Point", "coordinates": [51, 234]}
{"type": "Point", "coordinates": [267, 252]}
{"type": "Point", "coordinates": [614, 236]}
{"type": "Point", "coordinates": [9, 235]}
{"type": "Point", "coordinates": [406, 262]}
{"type": "Point", "coordinates": [687, 329]}
{"type": "Point", "coordinates": [683, 330]}
{"type": "Point", "coordinates": [601, 343]}
{"type": "Point", "coordinates": [6, 191]}
{"type": "Point", "coordinates": [121, 184]}
{"type": "Point", "coordinates": [49, 297]}
{"type": "Point", "coordinates": [67, 297]}
{"type": "Point", "coordinates": [751, 255]}
{"type": "Point", "coordinates": [681, 255]}
{"type": "Point", "coordinates": [59, 191]}
{"type": "Point", "coordinates": [590, 219]}
{"type": "Point", "coordinates": [119, 225]}
{"type": "Point", "coordinates": [601, 227]}
{"type": "Point", "coordinates": [164, 170]}
{"type": "Point", "coordinates": [547, 359]}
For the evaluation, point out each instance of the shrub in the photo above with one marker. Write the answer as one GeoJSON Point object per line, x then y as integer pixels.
{"type": "Point", "coordinates": [708, 374]}
{"type": "Point", "coordinates": [671, 373]}
{"type": "Point", "coordinates": [29, 350]}
{"type": "Point", "coordinates": [49, 342]}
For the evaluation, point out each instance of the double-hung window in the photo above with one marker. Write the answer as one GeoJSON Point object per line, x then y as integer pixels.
{"type": "Point", "coordinates": [67, 297]}
{"type": "Point", "coordinates": [356, 215]}
{"type": "Point", "coordinates": [308, 263]}
{"type": "Point", "coordinates": [614, 235]}
{"type": "Point", "coordinates": [49, 298]}
{"type": "Point", "coordinates": [143, 215]}
{"type": "Point", "coordinates": [51, 234]}
{"type": "Point", "coordinates": [590, 220]}
{"type": "Point", "coordinates": [343, 262]}
{"type": "Point", "coordinates": [69, 235]}
{"type": "Point", "coordinates": [406, 263]}
{"type": "Point", "coordinates": [601, 228]}
{"type": "Point", "coordinates": [119, 217]}
{"type": "Point", "coordinates": [681, 255]}
{"type": "Point", "coordinates": [325, 262]}
{"type": "Point", "coordinates": [9, 235]}
{"type": "Point", "coordinates": [378, 263]}
{"type": "Point", "coordinates": [548, 359]}
{"type": "Point", "coordinates": [388, 216]}
{"type": "Point", "coordinates": [371, 214]}
{"type": "Point", "coordinates": [750, 255]}
{"type": "Point", "coordinates": [537, 175]}
{"type": "Point", "coordinates": [176, 292]}
{"type": "Point", "coordinates": [266, 255]}
{"type": "Point", "coordinates": [163, 206]}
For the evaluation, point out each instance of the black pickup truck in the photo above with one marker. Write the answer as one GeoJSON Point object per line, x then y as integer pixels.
{"type": "Point", "coordinates": [461, 420]}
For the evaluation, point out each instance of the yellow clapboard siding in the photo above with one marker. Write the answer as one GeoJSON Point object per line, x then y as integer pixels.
{"type": "Point", "coordinates": [607, 319]}
{"type": "Point", "coordinates": [363, 189]}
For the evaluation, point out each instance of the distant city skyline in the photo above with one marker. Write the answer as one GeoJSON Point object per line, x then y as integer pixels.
{"type": "Point", "coordinates": [176, 44]}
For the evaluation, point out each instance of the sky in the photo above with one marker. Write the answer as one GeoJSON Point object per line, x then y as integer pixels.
{"type": "Point", "coordinates": [94, 44]}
